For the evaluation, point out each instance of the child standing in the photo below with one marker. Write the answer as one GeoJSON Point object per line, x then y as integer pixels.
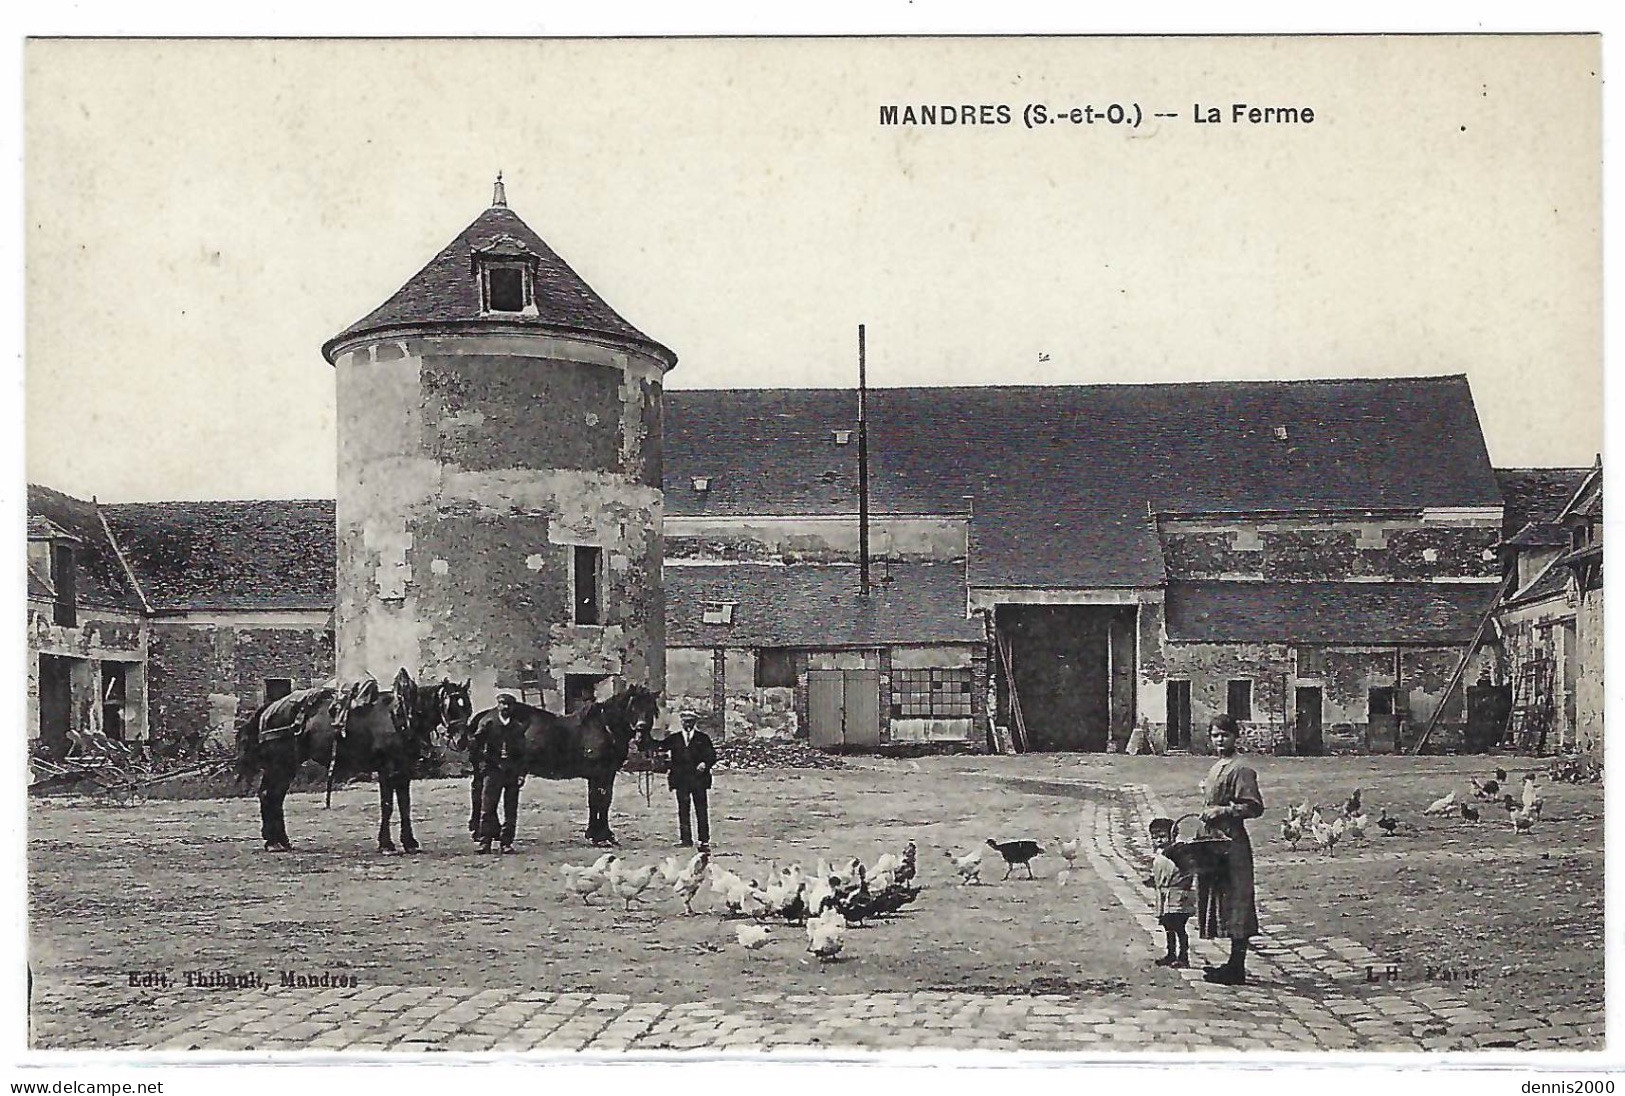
{"type": "Point", "coordinates": [1176, 900]}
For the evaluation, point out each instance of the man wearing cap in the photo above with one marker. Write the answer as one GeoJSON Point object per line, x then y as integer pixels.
{"type": "Point", "coordinates": [692, 759]}
{"type": "Point", "coordinates": [497, 748]}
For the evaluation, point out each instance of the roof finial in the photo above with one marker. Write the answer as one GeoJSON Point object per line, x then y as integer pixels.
{"type": "Point", "coordinates": [499, 197]}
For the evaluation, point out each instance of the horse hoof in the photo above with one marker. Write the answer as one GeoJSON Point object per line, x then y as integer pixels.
{"type": "Point", "coordinates": [413, 848]}
{"type": "Point", "coordinates": [389, 850]}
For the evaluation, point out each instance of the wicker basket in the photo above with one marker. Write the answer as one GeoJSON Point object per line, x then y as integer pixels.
{"type": "Point", "coordinates": [1205, 854]}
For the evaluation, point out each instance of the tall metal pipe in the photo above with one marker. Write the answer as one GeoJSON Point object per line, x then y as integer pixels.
{"type": "Point", "coordinates": [863, 469]}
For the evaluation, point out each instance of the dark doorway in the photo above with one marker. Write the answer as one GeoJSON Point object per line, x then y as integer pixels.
{"type": "Point", "coordinates": [55, 703]}
{"type": "Point", "coordinates": [1309, 742]}
{"type": "Point", "coordinates": [277, 687]}
{"type": "Point", "coordinates": [1179, 715]}
{"type": "Point", "coordinates": [580, 690]}
{"type": "Point", "coordinates": [113, 686]}
{"type": "Point", "coordinates": [1062, 660]}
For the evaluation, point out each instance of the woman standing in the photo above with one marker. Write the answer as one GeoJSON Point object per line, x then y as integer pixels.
{"type": "Point", "coordinates": [1226, 901]}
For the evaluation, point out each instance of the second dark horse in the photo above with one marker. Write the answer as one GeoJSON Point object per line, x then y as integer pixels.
{"type": "Point", "coordinates": [348, 732]}
{"type": "Point", "coordinates": [589, 744]}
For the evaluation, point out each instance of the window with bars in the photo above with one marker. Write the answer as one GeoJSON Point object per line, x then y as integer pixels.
{"type": "Point", "coordinates": [930, 694]}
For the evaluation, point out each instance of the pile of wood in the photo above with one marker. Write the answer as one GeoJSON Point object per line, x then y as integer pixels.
{"type": "Point", "coordinates": [747, 754]}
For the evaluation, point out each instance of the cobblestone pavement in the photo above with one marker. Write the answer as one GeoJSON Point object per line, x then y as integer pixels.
{"type": "Point", "coordinates": [1306, 997]}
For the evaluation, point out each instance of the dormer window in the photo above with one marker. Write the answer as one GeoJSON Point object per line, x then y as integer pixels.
{"type": "Point", "coordinates": [505, 288]}
{"type": "Point", "coordinates": [506, 270]}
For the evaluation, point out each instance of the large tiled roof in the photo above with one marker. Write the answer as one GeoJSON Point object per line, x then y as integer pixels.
{"type": "Point", "coordinates": [818, 605]}
{"type": "Point", "coordinates": [1535, 496]}
{"type": "Point", "coordinates": [445, 293]}
{"type": "Point", "coordinates": [230, 555]}
{"type": "Point", "coordinates": [99, 578]}
{"type": "Point", "coordinates": [1063, 481]}
{"type": "Point", "coordinates": [1327, 613]}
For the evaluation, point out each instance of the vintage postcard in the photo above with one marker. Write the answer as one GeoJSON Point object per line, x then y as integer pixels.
{"type": "Point", "coordinates": [814, 546]}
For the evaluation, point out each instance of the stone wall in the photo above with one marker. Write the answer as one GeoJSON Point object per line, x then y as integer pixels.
{"type": "Point", "coordinates": [98, 638]}
{"type": "Point", "coordinates": [470, 471]}
{"type": "Point", "coordinates": [1588, 692]}
{"type": "Point", "coordinates": [204, 677]}
{"type": "Point", "coordinates": [1310, 550]}
{"type": "Point", "coordinates": [812, 539]}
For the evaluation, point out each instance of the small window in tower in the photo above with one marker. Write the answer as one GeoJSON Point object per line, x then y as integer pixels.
{"type": "Point", "coordinates": [1239, 701]}
{"type": "Point", "coordinates": [505, 288]}
{"type": "Point", "coordinates": [587, 561]}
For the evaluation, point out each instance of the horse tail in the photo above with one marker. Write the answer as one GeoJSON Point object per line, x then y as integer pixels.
{"type": "Point", "coordinates": [248, 745]}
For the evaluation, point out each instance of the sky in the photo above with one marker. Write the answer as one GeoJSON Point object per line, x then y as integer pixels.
{"type": "Point", "coordinates": [202, 215]}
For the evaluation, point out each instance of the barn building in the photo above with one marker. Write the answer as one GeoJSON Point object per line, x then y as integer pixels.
{"type": "Point", "coordinates": [1063, 565]}
{"type": "Point", "coordinates": [499, 477]}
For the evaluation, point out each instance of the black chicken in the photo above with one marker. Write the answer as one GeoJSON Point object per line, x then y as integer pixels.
{"type": "Point", "coordinates": [1501, 775]}
{"type": "Point", "coordinates": [1352, 807]}
{"type": "Point", "coordinates": [1387, 824]}
{"type": "Point", "coordinates": [1469, 812]}
{"type": "Point", "coordinates": [1016, 852]}
{"type": "Point", "coordinates": [907, 870]}
{"type": "Point", "coordinates": [891, 900]}
{"type": "Point", "coordinates": [1487, 790]}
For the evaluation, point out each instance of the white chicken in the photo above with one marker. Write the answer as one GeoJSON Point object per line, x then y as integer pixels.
{"type": "Point", "coordinates": [968, 866]}
{"type": "Point", "coordinates": [885, 870]}
{"type": "Point", "coordinates": [1326, 835]}
{"type": "Point", "coordinates": [1292, 828]}
{"type": "Point", "coordinates": [1533, 801]}
{"type": "Point", "coordinates": [1357, 825]}
{"type": "Point", "coordinates": [689, 882]}
{"type": "Point", "coordinates": [1442, 806]}
{"type": "Point", "coordinates": [753, 937]}
{"type": "Point", "coordinates": [586, 881]}
{"type": "Point", "coordinates": [669, 871]}
{"type": "Point", "coordinates": [825, 934]}
{"type": "Point", "coordinates": [628, 886]}
{"type": "Point", "coordinates": [1069, 851]}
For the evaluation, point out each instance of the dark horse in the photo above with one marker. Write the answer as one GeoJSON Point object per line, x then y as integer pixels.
{"type": "Point", "coordinates": [591, 743]}
{"type": "Point", "coordinates": [348, 732]}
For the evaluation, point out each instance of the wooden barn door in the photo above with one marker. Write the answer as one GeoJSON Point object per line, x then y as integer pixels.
{"type": "Point", "coordinates": [843, 708]}
{"type": "Point", "coordinates": [824, 703]}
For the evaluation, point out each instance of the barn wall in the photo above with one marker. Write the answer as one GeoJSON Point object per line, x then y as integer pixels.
{"type": "Point", "coordinates": [1410, 549]}
{"type": "Point", "coordinates": [99, 636]}
{"type": "Point", "coordinates": [812, 540]}
{"type": "Point", "coordinates": [1589, 676]}
{"type": "Point", "coordinates": [203, 678]}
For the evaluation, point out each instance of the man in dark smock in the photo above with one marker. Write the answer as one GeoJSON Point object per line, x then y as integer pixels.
{"type": "Point", "coordinates": [1226, 901]}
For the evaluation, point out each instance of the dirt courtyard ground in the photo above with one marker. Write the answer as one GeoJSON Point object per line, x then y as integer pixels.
{"type": "Point", "coordinates": [1451, 935]}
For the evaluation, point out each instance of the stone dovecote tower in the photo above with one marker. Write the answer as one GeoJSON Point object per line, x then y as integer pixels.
{"type": "Point", "coordinates": [499, 494]}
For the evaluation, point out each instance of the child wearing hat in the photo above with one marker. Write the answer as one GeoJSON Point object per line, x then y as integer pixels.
{"type": "Point", "coordinates": [1176, 900]}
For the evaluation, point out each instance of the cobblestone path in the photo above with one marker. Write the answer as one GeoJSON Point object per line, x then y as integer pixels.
{"type": "Point", "coordinates": [1307, 996]}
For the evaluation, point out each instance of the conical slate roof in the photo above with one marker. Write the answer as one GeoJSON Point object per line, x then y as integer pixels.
{"type": "Point", "coordinates": [446, 293]}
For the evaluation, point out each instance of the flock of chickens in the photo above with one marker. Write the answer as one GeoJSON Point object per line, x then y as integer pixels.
{"type": "Point", "coordinates": [825, 900]}
{"type": "Point", "coordinates": [1308, 821]}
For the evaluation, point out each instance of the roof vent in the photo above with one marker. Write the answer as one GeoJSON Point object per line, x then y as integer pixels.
{"type": "Point", "coordinates": [1281, 433]}
{"type": "Point", "coordinates": [718, 612]}
{"type": "Point", "coordinates": [843, 437]}
{"type": "Point", "coordinates": [702, 484]}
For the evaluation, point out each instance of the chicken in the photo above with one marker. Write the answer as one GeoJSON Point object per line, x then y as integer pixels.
{"type": "Point", "coordinates": [689, 882]}
{"type": "Point", "coordinates": [907, 870]}
{"type": "Point", "coordinates": [1291, 830]}
{"type": "Point", "coordinates": [1357, 825]}
{"type": "Point", "coordinates": [1501, 775]}
{"type": "Point", "coordinates": [1532, 799]}
{"type": "Point", "coordinates": [1442, 805]}
{"type": "Point", "coordinates": [1387, 823]}
{"type": "Point", "coordinates": [1326, 834]}
{"type": "Point", "coordinates": [885, 869]}
{"type": "Point", "coordinates": [1069, 851]}
{"type": "Point", "coordinates": [629, 885]}
{"type": "Point", "coordinates": [824, 934]}
{"type": "Point", "coordinates": [1469, 812]}
{"type": "Point", "coordinates": [820, 895]}
{"type": "Point", "coordinates": [669, 871]}
{"type": "Point", "coordinates": [1488, 789]}
{"type": "Point", "coordinates": [968, 866]}
{"type": "Point", "coordinates": [1016, 852]}
{"type": "Point", "coordinates": [1522, 821]}
{"type": "Point", "coordinates": [1353, 804]}
{"type": "Point", "coordinates": [886, 902]}
{"type": "Point", "coordinates": [753, 937]}
{"type": "Point", "coordinates": [589, 880]}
